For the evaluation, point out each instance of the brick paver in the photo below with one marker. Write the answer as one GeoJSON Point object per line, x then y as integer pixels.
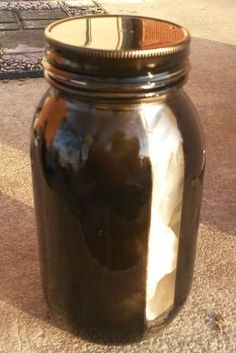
{"type": "Point", "coordinates": [41, 14]}
{"type": "Point", "coordinates": [8, 21]}
{"type": "Point", "coordinates": [39, 19]}
{"type": "Point", "coordinates": [9, 26]}
{"type": "Point", "coordinates": [7, 16]}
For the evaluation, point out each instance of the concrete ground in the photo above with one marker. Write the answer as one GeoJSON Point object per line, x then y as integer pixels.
{"type": "Point", "coordinates": [208, 321]}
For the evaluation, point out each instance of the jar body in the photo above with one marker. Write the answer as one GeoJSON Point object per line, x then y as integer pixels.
{"type": "Point", "coordinates": [117, 189]}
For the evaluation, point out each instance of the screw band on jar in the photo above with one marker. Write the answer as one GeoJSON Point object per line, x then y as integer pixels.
{"type": "Point", "coordinates": [139, 54]}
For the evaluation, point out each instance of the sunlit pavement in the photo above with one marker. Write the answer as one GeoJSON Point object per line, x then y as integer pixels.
{"type": "Point", "coordinates": [208, 321]}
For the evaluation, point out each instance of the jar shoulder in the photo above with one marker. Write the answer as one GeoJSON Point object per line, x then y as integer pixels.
{"type": "Point", "coordinates": [77, 126]}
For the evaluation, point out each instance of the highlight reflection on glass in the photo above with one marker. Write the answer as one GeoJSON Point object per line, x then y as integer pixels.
{"type": "Point", "coordinates": [50, 118]}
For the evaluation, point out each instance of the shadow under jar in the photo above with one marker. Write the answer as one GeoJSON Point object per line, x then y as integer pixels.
{"type": "Point", "coordinates": [117, 161]}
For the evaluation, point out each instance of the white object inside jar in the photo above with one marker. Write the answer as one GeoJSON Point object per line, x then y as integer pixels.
{"type": "Point", "coordinates": [166, 156]}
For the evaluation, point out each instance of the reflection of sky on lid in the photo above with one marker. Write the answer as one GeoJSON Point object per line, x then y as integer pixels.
{"type": "Point", "coordinates": [117, 33]}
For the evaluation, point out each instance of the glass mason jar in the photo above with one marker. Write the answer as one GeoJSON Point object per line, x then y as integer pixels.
{"type": "Point", "coordinates": [118, 160]}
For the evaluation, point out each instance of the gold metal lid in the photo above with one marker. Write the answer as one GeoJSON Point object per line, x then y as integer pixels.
{"type": "Point", "coordinates": [118, 36]}
{"type": "Point", "coordinates": [116, 45]}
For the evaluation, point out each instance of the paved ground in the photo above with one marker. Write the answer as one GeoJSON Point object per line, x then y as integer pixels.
{"type": "Point", "coordinates": [22, 25]}
{"type": "Point", "coordinates": [208, 321]}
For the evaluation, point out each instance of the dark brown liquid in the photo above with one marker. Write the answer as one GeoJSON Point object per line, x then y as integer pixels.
{"type": "Point", "coordinates": [92, 185]}
{"type": "Point", "coordinates": [92, 191]}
